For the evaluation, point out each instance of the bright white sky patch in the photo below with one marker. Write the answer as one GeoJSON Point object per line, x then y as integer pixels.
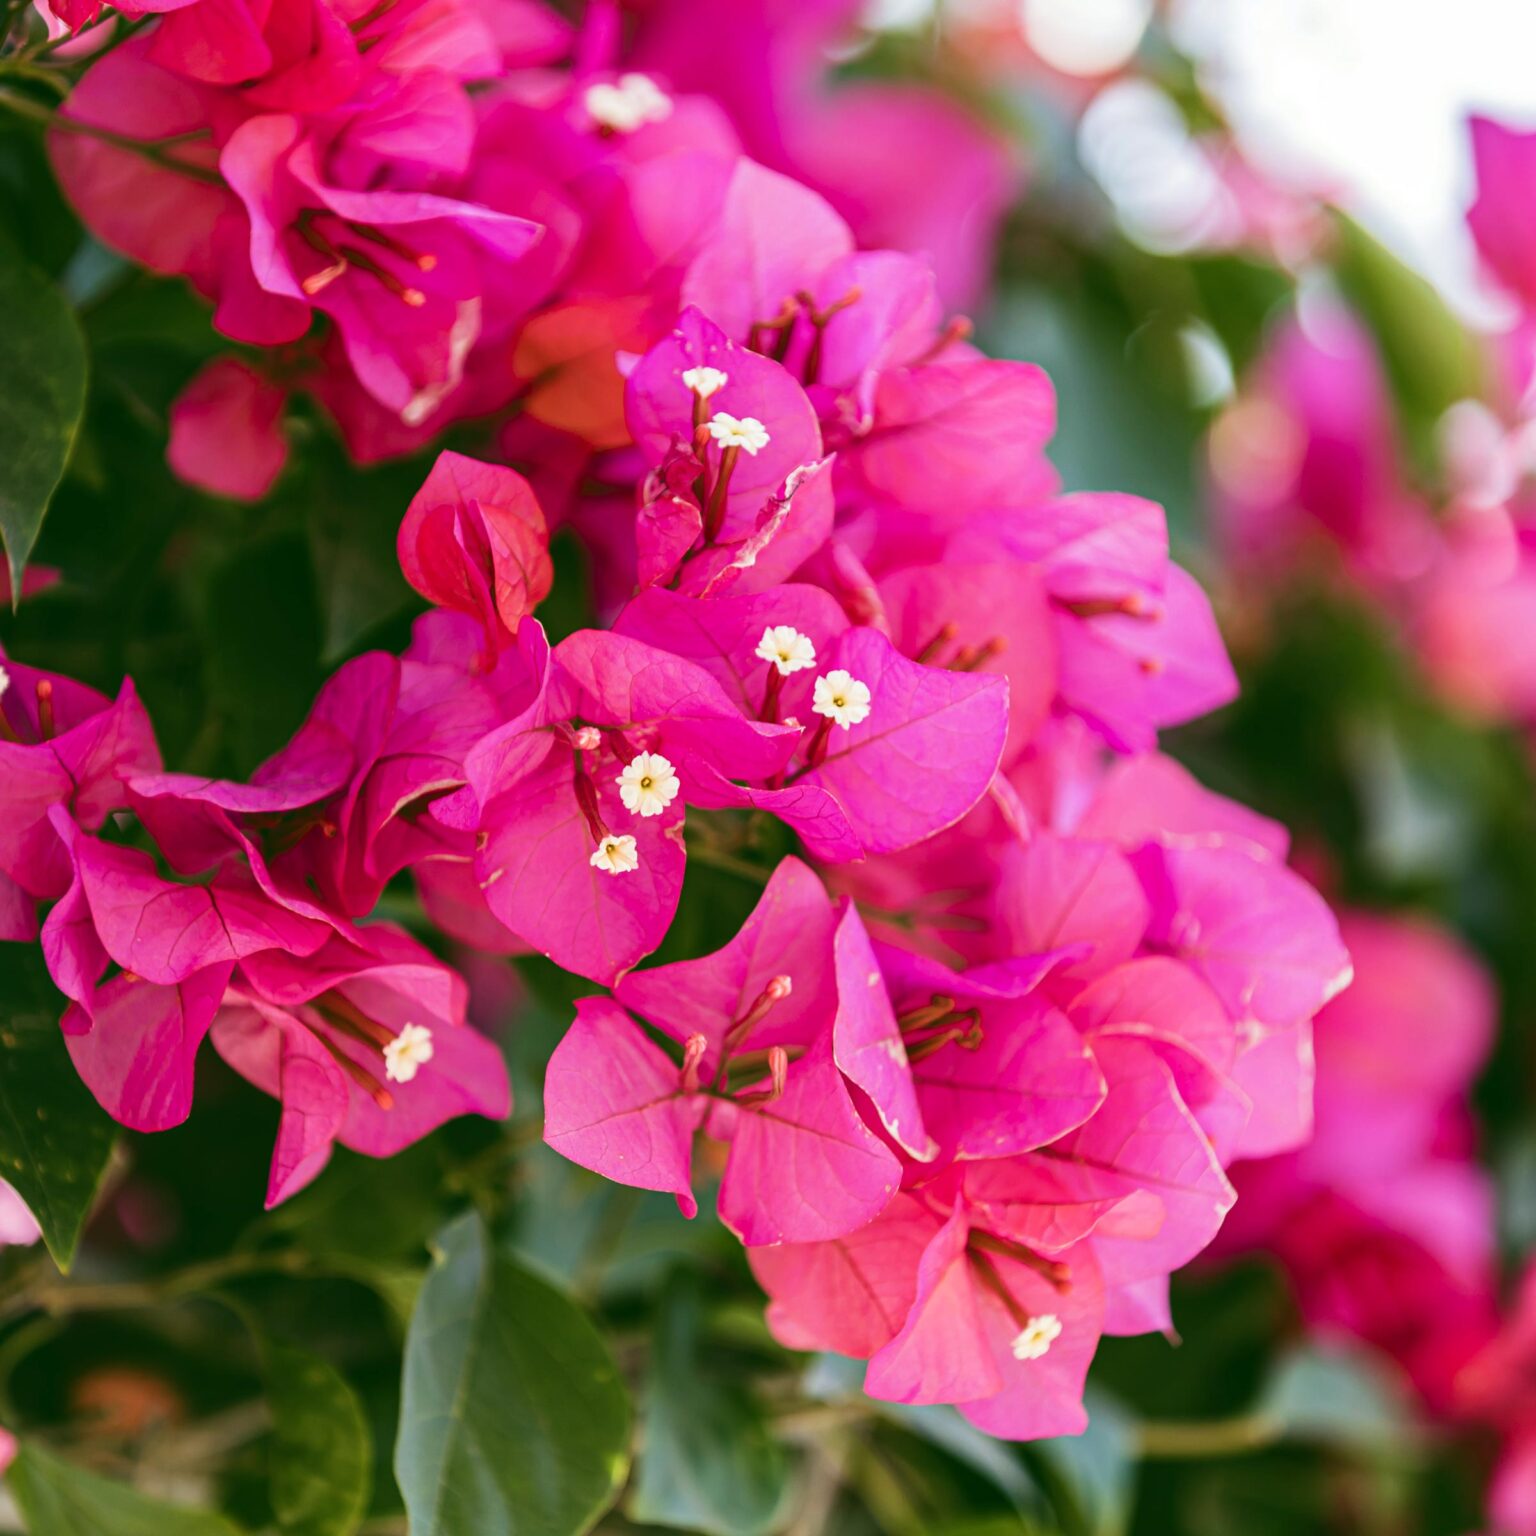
{"type": "Point", "coordinates": [1372, 96]}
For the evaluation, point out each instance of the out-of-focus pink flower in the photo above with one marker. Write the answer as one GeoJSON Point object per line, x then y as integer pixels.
{"type": "Point", "coordinates": [227, 431]}
{"type": "Point", "coordinates": [1383, 1222]}
{"type": "Point", "coordinates": [1501, 217]}
{"type": "Point", "coordinates": [18, 1227]}
{"type": "Point", "coordinates": [1305, 464]}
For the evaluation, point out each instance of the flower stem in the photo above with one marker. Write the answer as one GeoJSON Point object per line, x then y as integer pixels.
{"type": "Point", "coordinates": [1177, 1440]}
{"type": "Point", "coordinates": [155, 150]}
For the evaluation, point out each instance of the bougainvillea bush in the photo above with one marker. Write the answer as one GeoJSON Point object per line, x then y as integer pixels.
{"type": "Point", "coordinates": [632, 892]}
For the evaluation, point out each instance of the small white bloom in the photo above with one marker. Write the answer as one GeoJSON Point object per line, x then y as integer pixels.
{"type": "Point", "coordinates": [841, 698]}
{"type": "Point", "coordinates": [705, 382]}
{"type": "Point", "coordinates": [410, 1050]}
{"type": "Point", "coordinates": [648, 784]}
{"type": "Point", "coordinates": [1036, 1337]}
{"type": "Point", "coordinates": [616, 855]}
{"type": "Point", "coordinates": [630, 103]}
{"type": "Point", "coordinates": [786, 648]}
{"type": "Point", "coordinates": [738, 432]}
{"type": "Point", "coordinates": [5, 681]}
{"type": "Point", "coordinates": [588, 738]}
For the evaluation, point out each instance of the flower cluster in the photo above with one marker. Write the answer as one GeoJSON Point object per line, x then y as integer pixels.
{"type": "Point", "coordinates": [308, 160]}
{"type": "Point", "coordinates": [982, 1055]}
{"type": "Point", "coordinates": [184, 907]}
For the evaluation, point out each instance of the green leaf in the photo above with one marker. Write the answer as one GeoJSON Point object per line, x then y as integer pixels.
{"type": "Point", "coordinates": [1335, 1396]}
{"type": "Point", "coordinates": [1430, 356]}
{"type": "Point", "coordinates": [54, 1138]}
{"type": "Point", "coordinates": [59, 1499]}
{"type": "Point", "coordinates": [322, 1452]}
{"type": "Point", "coordinates": [1094, 1473]}
{"type": "Point", "coordinates": [709, 1462]}
{"type": "Point", "coordinates": [42, 381]}
{"type": "Point", "coordinates": [513, 1420]}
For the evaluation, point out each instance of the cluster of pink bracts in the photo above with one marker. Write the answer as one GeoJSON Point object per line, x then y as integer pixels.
{"type": "Point", "coordinates": [981, 1058]}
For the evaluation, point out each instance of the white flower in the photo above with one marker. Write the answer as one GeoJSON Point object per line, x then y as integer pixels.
{"type": "Point", "coordinates": [1036, 1337]}
{"type": "Point", "coordinates": [841, 698]}
{"type": "Point", "coordinates": [408, 1051]}
{"type": "Point", "coordinates": [648, 784]}
{"type": "Point", "coordinates": [5, 681]}
{"type": "Point", "coordinates": [631, 103]}
{"type": "Point", "coordinates": [705, 382]}
{"type": "Point", "coordinates": [616, 855]}
{"type": "Point", "coordinates": [786, 648]}
{"type": "Point", "coordinates": [738, 432]}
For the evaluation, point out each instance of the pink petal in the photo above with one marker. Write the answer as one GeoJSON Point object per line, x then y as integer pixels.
{"type": "Point", "coordinates": [803, 1167]}
{"type": "Point", "coordinates": [612, 1103]}
{"type": "Point", "coordinates": [227, 431]}
{"type": "Point", "coordinates": [925, 754]}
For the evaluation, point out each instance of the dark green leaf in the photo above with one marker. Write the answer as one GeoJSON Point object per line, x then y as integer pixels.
{"type": "Point", "coordinates": [513, 1421]}
{"type": "Point", "coordinates": [352, 540]}
{"type": "Point", "coordinates": [58, 1499]}
{"type": "Point", "coordinates": [709, 1462]}
{"type": "Point", "coordinates": [54, 1138]}
{"type": "Point", "coordinates": [42, 381]}
{"type": "Point", "coordinates": [322, 1453]}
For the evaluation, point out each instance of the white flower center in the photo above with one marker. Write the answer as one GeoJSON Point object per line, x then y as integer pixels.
{"type": "Point", "coordinates": [705, 382]}
{"type": "Point", "coordinates": [745, 432]}
{"type": "Point", "coordinates": [1035, 1338]}
{"type": "Point", "coordinates": [786, 648]}
{"type": "Point", "coordinates": [627, 104]}
{"type": "Point", "coordinates": [648, 784]}
{"type": "Point", "coordinates": [841, 698]}
{"type": "Point", "coordinates": [616, 855]}
{"type": "Point", "coordinates": [409, 1051]}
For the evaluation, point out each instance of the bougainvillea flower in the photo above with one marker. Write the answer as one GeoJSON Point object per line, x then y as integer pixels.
{"type": "Point", "coordinates": [364, 1043]}
{"type": "Point", "coordinates": [773, 241]}
{"type": "Point", "coordinates": [907, 756]}
{"type": "Point", "coordinates": [795, 936]}
{"type": "Point", "coordinates": [227, 431]}
{"type": "Point", "coordinates": [167, 208]}
{"type": "Point", "coordinates": [992, 617]}
{"type": "Point", "coordinates": [565, 864]}
{"type": "Point", "coordinates": [165, 932]}
{"type": "Point", "coordinates": [62, 744]}
{"type": "Point", "coordinates": [1257, 933]}
{"type": "Point", "coordinates": [999, 1069]}
{"type": "Point", "coordinates": [951, 436]}
{"type": "Point", "coordinates": [802, 1164]}
{"type": "Point", "coordinates": [338, 225]}
{"type": "Point", "coordinates": [732, 437]}
{"type": "Point", "coordinates": [474, 541]}
{"type": "Point", "coordinates": [1136, 645]}
{"type": "Point", "coordinates": [946, 1310]}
